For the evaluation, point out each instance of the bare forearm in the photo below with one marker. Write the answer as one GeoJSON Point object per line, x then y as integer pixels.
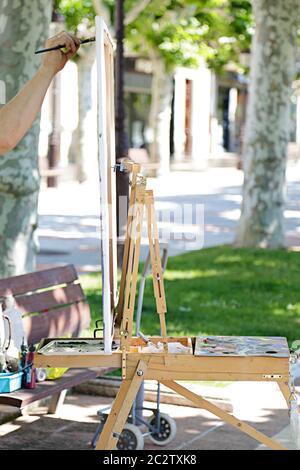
{"type": "Point", "coordinates": [17, 116]}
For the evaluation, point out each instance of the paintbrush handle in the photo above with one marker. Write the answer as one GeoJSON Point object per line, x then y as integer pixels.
{"type": "Point", "coordinates": [61, 46]}
{"type": "Point", "coordinates": [85, 41]}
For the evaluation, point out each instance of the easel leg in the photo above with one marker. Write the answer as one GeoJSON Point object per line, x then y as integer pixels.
{"type": "Point", "coordinates": [120, 409]}
{"type": "Point", "coordinates": [204, 404]}
{"type": "Point", "coordinates": [157, 272]}
{"type": "Point", "coordinates": [135, 170]}
{"type": "Point", "coordinates": [132, 269]}
{"type": "Point", "coordinates": [286, 391]}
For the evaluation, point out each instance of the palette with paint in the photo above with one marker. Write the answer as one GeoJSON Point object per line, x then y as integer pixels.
{"type": "Point", "coordinates": [75, 346]}
{"type": "Point", "coordinates": [241, 346]}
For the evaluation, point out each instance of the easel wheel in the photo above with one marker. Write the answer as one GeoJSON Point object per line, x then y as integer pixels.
{"type": "Point", "coordinates": [166, 431]}
{"type": "Point", "coordinates": [131, 438]}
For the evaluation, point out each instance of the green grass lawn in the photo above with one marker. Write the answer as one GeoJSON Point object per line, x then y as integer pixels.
{"type": "Point", "coordinates": [222, 291]}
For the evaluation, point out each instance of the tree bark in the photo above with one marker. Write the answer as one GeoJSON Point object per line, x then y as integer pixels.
{"type": "Point", "coordinates": [24, 26]}
{"type": "Point", "coordinates": [160, 115]}
{"type": "Point", "coordinates": [267, 127]}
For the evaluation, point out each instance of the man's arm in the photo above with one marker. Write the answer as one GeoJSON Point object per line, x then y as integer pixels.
{"type": "Point", "coordinates": [17, 116]}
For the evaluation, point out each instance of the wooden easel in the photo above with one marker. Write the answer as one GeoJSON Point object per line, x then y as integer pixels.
{"type": "Point", "coordinates": [165, 367]}
{"type": "Point", "coordinates": [140, 199]}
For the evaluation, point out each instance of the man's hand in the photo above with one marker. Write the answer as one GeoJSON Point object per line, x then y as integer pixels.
{"type": "Point", "coordinates": [54, 61]}
{"type": "Point", "coordinates": [17, 116]}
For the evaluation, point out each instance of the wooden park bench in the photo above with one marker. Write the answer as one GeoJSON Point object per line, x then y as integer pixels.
{"type": "Point", "coordinates": [52, 304]}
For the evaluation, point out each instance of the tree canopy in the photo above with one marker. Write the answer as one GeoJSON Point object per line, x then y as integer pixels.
{"type": "Point", "coordinates": [183, 30]}
{"type": "Point", "coordinates": [179, 31]}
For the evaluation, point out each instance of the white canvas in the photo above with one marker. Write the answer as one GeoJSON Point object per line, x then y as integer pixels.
{"type": "Point", "coordinates": [106, 155]}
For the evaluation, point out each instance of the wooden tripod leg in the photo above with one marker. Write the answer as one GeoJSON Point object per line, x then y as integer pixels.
{"type": "Point", "coordinates": [120, 410]}
{"type": "Point", "coordinates": [204, 404]}
{"type": "Point", "coordinates": [135, 170]}
{"type": "Point", "coordinates": [286, 391]}
{"type": "Point", "coordinates": [157, 272]}
{"type": "Point", "coordinates": [132, 269]}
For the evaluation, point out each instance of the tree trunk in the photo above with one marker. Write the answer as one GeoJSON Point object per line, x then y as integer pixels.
{"type": "Point", "coordinates": [267, 127]}
{"type": "Point", "coordinates": [85, 132]}
{"type": "Point", "coordinates": [24, 27]}
{"type": "Point", "coordinates": [160, 115]}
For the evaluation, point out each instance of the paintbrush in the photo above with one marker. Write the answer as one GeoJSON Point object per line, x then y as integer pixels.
{"type": "Point", "coordinates": [61, 46]}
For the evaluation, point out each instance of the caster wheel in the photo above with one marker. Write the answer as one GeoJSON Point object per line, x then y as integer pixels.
{"type": "Point", "coordinates": [167, 430]}
{"type": "Point", "coordinates": [131, 438]}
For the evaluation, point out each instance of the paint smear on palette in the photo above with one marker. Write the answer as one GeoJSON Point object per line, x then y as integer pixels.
{"type": "Point", "coordinates": [241, 346]}
{"type": "Point", "coordinates": [74, 346]}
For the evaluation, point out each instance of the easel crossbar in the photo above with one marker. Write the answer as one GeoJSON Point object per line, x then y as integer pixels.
{"type": "Point", "coordinates": [205, 404]}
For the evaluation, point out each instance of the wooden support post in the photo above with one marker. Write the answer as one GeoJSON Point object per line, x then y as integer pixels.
{"type": "Point", "coordinates": [139, 197]}
{"type": "Point", "coordinates": [286, 392]}
{"type": "Point", "coordinates": [204, 404]}
{"type": "Point", "coordinates": [135, 168]}
{"type": "Point", "coordinates": [120, 410]}
{"type": "Point", "coordinates": [157, 272]}
{"type": "Point", "coordinates": [135, 233]}
{"type": "Point", "coordinates": [56, 402]}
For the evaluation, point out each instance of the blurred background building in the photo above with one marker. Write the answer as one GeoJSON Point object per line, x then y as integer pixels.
{"type": "Point", "coordinates": [207, 119]}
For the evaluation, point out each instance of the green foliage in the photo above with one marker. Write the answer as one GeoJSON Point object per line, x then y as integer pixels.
{"type": "Point", "coordinates": [170, 29]}
{"type": "Point", "coordinates": [178, 31]}
{"type": "Point", "coordinates": [181, 31]}
{"type": "Point", "coordinates": [77, 13]}
{"type": "Point", "coordinates": [230, 35]}
{"type": "Point", "coordinates": [223, 291]}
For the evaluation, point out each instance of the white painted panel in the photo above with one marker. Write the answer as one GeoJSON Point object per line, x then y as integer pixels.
{"type": "Point", "coordinates": [106, 156]}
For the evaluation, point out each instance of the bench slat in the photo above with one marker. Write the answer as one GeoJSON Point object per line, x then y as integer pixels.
{"type": "Point", "coordinates": [38, 280]}
{"type": "Point", "coordinates": [72, 377]}
{"type": "Point", "coordinates": [71, 319]}
{"type": "Point", "coordinates": [67, 312]}
{"type": "Point", "coordinates": [50, 299]}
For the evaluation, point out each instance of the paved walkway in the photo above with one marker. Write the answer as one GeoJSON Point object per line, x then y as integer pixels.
{"type": "Point", "coordinates": [194, 210]}
{"type": "Point", "coordinates": [260, 405]}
